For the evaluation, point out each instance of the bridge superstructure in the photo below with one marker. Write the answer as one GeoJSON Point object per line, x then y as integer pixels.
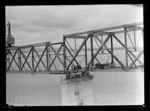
{"type": "Point", "coordinates": [107, 49]}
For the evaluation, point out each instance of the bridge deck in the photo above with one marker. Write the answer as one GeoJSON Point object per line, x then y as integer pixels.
{"type": "Point", "coordinates": [76, 72]}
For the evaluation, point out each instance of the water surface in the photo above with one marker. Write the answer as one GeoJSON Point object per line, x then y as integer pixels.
{"type": "Point", "coordinates": [109, 88]}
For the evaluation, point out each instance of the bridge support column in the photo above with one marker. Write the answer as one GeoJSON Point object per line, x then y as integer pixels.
{"type": "Point", "coordinates": [77, 91]}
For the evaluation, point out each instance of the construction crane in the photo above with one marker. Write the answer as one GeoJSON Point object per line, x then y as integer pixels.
{"type": "Point", "coordinates": [10, 40]}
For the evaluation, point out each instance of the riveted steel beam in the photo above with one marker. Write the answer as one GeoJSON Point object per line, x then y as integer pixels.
{"type": "Point", "coordinates": [104, 29]}
{"type": "Point", "coordinates": [77, 37]}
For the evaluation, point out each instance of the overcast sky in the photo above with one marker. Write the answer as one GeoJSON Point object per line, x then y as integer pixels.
{"type": "Point", "coordinates": [35, 24]}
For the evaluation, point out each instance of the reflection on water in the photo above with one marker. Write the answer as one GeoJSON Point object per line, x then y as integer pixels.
{"type": "Point", "coordinates": [107, 88]}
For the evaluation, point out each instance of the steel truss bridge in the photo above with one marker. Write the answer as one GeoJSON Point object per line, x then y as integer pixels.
{"type": "Point", "coordinates": [116, 46]}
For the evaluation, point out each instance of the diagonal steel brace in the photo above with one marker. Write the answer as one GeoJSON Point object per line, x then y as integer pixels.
{"type": "Point", "coordinates": [110, 52]}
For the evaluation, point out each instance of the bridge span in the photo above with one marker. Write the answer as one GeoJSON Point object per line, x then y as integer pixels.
{"type": "Point", "coordinates": [117, 48]}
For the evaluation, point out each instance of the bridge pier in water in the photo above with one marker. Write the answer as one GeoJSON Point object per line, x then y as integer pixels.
{"type": "Point", "coordinates": [77, 90]}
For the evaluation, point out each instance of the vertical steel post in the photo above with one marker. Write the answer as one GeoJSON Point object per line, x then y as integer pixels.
{"type": "Point", "coordinates": [75, 45]}
{"type": "Point", "coordinates": [125, 40]}
{"type": "Point", "coordinates": [19, 59]}
{"type": "Point", "coordinates": [33, 58]}
{"type": "Point", "coordinates": [112, 59]}
{"type": "Point", "coordinates": [85, 54]}
{"type": "Point", "coordinates": [7, 59]}
{"type": "Point", "coordinates": [134, 39]}
{"type": "Point", "coordinates": [64, 52]}
{"type": "Point", "coordinates": [91, 39]}
{"type": "Point", "coordinates": [47, 56]}
{"type": "Point", "coordinates": [102, 41]}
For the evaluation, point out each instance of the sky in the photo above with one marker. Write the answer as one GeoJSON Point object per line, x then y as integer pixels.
{"type": "Point", "coordinates": [36, 24]}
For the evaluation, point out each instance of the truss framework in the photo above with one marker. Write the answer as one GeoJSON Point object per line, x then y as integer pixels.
{"type": "Point", "coordinates": [46, 57]}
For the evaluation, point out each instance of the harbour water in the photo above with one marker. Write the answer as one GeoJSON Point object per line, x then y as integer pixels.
{"type": "Point", "coordinates": [108, 88]}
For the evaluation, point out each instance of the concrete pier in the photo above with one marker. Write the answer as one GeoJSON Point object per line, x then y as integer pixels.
{"type": "Point", "coordinates": [77, 91]}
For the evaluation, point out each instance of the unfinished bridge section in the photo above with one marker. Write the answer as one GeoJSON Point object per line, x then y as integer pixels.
{"type": "Point", "coordinates": [107, 49]}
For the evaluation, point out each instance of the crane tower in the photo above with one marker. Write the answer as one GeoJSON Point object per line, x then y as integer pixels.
{"type": "Point", "coordinates": [10, 40]}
